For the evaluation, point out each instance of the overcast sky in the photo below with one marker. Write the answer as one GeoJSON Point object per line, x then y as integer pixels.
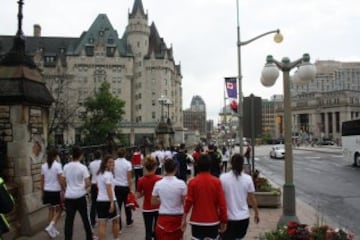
{"type": "Point", "coordinates": [203, 34]}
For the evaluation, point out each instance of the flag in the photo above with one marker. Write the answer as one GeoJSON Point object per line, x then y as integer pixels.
{"type": "Point", "coordinates": [231, 87]}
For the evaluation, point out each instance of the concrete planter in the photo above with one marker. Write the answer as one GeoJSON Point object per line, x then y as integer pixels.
{"type": "Point", "coordinates": [268, 199]}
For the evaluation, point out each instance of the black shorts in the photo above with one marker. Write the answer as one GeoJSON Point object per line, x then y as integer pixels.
{"type": "Point", "coordinates": [202, 232]}
{"type": "Point", "coordinates": [52, 198]}
{"type": "Point", "coordinates": [102, 209]}
{"type": "Point", "coordinates": [236, 229]}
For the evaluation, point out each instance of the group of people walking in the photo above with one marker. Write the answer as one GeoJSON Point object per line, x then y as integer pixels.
{"type": "Point", "coordinates": [216, 202]}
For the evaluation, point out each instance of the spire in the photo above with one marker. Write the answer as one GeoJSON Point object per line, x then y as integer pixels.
{"type": "Point", "coordinates": [17, 55]}
{"type": "Point", "coordinates": [20, 17]}
{"type": "Point", "coordinates": [138, 6]}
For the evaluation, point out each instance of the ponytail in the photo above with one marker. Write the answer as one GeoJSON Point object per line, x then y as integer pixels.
{"type": "Point", "coordinates": [51, 156]}
{"type": "Point", "coordinates": [237, 162]}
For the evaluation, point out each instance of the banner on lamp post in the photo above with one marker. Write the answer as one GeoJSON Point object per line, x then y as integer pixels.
{"type": "Point", "coordinates": [230, 83]}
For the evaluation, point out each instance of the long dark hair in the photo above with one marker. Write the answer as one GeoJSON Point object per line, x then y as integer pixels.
{"type": "Point", "coordinates": [237, 163]}
{"type": "Point", "coordinates": [103, 164]}
{"type": "Point", "coordinates": [51, 156]}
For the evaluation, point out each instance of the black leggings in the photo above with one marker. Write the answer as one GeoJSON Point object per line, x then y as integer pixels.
{"type": "Point", "coordinates": [72, 206]}
{"type": "Point", "coordinates": [93, 204]}
{"type": "Point", "coordinates": [121, 193]}
{"type": "Point", "coordinates": [150, 219]}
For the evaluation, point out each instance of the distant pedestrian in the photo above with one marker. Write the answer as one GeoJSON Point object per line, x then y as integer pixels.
{"type": "Point", "coordinates": [206, 198]}
{"type": "Point", "coordinates": [137, 159]}
{"type": "Point", "coordinates": [170, 193]}
{"type": "Point", "coordinates": [76, 178]}
{"type": "Point", "coordinates": [238, 188]}
{"type": "Point", "coordinates": [106, 200]}
{"type": "Point", "coordinates": [196, 154]}
{"type": "Point", "coordinates": [123, 183]}
{"type": "Point", "coordinates": [247, 154]}
{"type": "Point", "coordinates": [51, 172]}
{"type": "Point", "coordinates": [94, 167]}
{"type": "Point", "coordinates": [144, 189]}
{"type": "Point", "coordinates": [159, 156]}
{"type": "Point", "coordinates": [225, 158]}
{"type": "Point", "coordinates": [215, 165]}
{"type": "Point", "coordinates": [182, 160]}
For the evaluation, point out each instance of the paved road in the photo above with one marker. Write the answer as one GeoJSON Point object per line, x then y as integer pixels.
{"type": "Point", "coordinates": [323, 181]}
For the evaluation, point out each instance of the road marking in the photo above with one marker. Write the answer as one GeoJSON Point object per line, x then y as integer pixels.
{"type": "Point", "coordinates": [312, 157]}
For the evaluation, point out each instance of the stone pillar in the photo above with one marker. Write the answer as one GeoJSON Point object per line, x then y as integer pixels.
{"type": "Point", "coordinates": [27, 152]}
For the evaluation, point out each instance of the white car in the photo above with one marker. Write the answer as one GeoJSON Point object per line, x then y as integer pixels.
{"type": "Point", "coordinates": [277, 151]}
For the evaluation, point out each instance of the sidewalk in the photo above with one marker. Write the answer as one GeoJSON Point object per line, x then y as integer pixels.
{"type": "Point", "coordinates": [268, 221]}
{"type": "Point", "coordinates": [268, 216]}
{"type": "Point", "coordinates": [325, 149]}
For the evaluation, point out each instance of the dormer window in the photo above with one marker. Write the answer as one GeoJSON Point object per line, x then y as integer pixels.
{"type": "Point", "coordinates": [91, 40]}
{"type": "Point", "coordinates": [110, 51]}
{"type": "Point", "coordinates": [101, 33]}
{"type": "Point", "coordinates": [110, 41]}
{"type": "Point", "coordinates": [89, 50]}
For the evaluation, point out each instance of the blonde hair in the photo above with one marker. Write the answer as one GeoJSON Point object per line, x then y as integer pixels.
{"type": "Point", "coordinates": [150, 163]}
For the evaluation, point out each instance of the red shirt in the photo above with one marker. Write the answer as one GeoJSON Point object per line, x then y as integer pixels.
{"type": "Point", "coordinates": [207, 199]}
{"type": "Point", "coordinates": [145, 185]}
{"type": "Point", "coordinates": [196, 155]}
{"type": "Point", "coordinates": [136, 159]}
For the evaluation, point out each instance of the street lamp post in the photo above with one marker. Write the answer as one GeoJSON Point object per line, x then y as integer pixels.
{"type": "Point", "coordinates": [305, 73]}
{"type": "Point", "coordinates": [277, 38]}
{"type": "Point", "coordinates": [162, 100]}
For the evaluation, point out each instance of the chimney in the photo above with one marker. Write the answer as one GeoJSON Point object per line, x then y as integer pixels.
{"type": "Point", "coordinates": [37, 30]}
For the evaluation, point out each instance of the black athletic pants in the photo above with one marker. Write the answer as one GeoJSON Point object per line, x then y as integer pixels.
{"type": "Point", "coordinates": [72, 206]}
{"type": "Point", "coordinates": [121, 193]}
{"type": "Point", "coordinates": [150, 219]}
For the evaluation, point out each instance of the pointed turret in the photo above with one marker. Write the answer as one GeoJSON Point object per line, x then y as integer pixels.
{"type": "Point", "coordinates": [138, 31]}
{"type": "Point", "coordinates": [138, 8]}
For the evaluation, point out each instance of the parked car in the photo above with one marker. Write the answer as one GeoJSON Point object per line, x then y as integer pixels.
{"type": "Point", "coordinates": [277, 151]}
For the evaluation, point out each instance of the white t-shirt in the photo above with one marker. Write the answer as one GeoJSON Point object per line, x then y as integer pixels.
{"type": "Point", "coordinates": [160, 155]}
{"type": "Point", "coordinates": [75, 174]}
{"type": "Point", "coordinates": [51, 182]}
{"type": "Point", "coordinates": [171, 191]}
{"type": "Point", "coordinates": [94, 168]}
{"type": "Point", "coordinates": [121, 169]}
{"type": "Point", "coordinates": [236, 191]}
{"type": "Point", "coordinates": [225, 157]}
{"type": "Point", "coordinates": [102, 181]}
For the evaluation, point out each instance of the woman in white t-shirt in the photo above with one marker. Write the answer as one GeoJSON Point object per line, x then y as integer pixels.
{"type": "Point", "coordinates": [51, 190]}
{"type": "Point", "coordinates": [238, 187]}
{"type": "Point", "coordinates": [106, 200]}
{"type": "Point", "coordinates": [170, 192]}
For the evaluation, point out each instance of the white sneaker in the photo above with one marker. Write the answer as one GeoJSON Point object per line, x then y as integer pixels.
{"type": "Point", "coordinates": [50, 232]}
{"type": "Point", "coordinates": [55, 231]}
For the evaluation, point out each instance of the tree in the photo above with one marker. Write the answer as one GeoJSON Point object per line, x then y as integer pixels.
{"type": "Point", "coordinates": [102, 116]}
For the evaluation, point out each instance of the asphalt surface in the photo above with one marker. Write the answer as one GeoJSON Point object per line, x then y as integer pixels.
{"type": "Point", "coordinates": [324, 181]}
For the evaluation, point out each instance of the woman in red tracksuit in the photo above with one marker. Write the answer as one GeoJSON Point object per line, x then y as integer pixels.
{"type": "Point", "coordinates": [206, 198]}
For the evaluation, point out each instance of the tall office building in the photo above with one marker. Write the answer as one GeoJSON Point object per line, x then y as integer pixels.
{"type": "Point", "coordinates": [139, 66]}
{"type": "Point", "coordinates": [195, 116]}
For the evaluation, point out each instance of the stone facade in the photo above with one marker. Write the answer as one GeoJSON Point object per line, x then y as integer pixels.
{"type": "Point", "coordinates": [320, 106]}
{"type": "Point", "coordinates": [139, 66]}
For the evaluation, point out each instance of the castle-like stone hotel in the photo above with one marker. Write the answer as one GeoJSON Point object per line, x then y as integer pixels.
{"type": "Point", "coordinates": [139, 66]}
